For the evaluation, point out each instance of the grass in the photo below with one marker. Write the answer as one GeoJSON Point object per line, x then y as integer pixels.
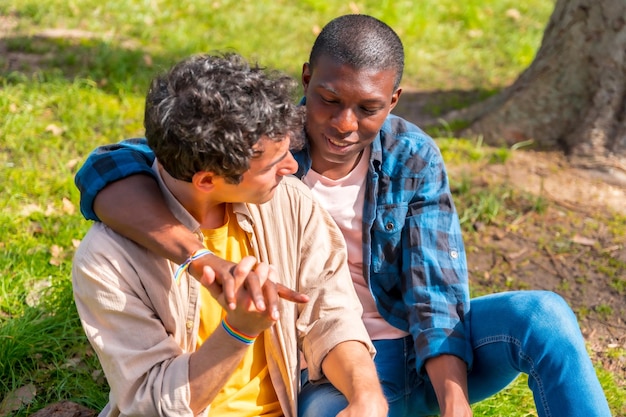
{"type": "Point", "coordinates": [73, 77]}
{"type": "Point", "coordinates": [447, 42]}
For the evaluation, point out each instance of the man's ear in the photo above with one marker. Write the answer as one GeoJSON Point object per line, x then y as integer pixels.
{"type": "Point", "coordinates": [394, 98]}
{"type": "Point", "coordinates": [203, 181]}
{"type": "Point", "coordinates": [306, 76]}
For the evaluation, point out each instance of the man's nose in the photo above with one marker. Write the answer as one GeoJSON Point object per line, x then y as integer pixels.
{"type": "Point", "coordinates": [345, 121]}
{"type": "Point", "coordinates": [288, 165]}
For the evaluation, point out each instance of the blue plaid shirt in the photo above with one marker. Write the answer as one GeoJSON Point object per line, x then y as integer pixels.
{"type": "Point", "coordinates": [414, 257]}
{"type": "Point", "coordinates": [413, 252]}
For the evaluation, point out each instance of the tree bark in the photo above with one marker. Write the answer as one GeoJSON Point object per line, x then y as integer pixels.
{"type": "Point", "coordinates": [573, 96]}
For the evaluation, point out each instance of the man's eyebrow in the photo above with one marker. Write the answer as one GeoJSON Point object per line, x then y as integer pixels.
{"type": "Point", "coordinates": [280, 158]}
{"type": "Point", "coordinates": [368, 100]}
{"type": "Point", "coordinates": [328, 88]}
{"type": "Point", "coordinates": [259, 153]}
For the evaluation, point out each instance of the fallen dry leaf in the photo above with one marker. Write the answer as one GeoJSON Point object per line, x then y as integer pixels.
{"type": "Point", "coordinates": [581, 240]}
{"type": "Point", "coordinates": [54, 129]}
{"type": "Point", "coordinates": [513, 14]}
{"type": "Point", "coordinates": [33, 297]}
{"type": "Point", "coordinates": [56, 253]}
{"type": "Point", "coordinates": [29, 209]}
{"type": "Point", "coordinates": [17, 398]}
{"type": "Point", "coordinates": [68, 206]}
{"type": "Point", "coordinates": [50, 210]}
{"type": "Point", "coordinates": [72, 163]}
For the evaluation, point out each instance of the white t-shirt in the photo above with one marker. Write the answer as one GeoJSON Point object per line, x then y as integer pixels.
{"type": "Point", "coordinates": [344, 198]}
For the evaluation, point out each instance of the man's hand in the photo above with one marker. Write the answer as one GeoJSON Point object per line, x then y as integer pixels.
{"type": "Point", "coordinates": [244, 314]}
{"type": "Point", "coordinates": [225, 279]}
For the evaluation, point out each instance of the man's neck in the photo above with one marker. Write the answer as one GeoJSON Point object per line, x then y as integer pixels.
{"type": "Point", "coordinates": [208, 213]}
{"type": "Point", "coordinates": [333, 171]}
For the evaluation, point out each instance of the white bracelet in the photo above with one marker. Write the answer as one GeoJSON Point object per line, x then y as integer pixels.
{"type": "Point", "coordinates": [185, 265]}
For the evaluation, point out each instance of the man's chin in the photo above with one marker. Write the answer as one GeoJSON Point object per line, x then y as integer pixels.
{"type": "Point", "coordinates": [266, 197]}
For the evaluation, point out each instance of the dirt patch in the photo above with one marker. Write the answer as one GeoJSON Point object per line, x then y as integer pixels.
{"type": "Point", "coordinates": [548, 174]}
{"type": "Point", "coordinates": [575, 245]}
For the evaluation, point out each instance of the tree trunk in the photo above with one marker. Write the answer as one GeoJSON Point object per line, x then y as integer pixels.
{"type": "Point", "coordinates": [573, 96]}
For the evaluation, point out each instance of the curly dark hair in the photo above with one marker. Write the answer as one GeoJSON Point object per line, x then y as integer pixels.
{"type": "Point", "coordinates": [362, 42]}
{"type": "Point", "coordinates": [208, 112]}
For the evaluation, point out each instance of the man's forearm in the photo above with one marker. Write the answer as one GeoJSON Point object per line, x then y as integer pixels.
{"type": "Point", "coordinates": [212, 366]}
{"type": "Point", "coordinates": [349, 367]}
{"type": "Point", "coordinates": [448, 374]}
{"type": "Point", "coordinates": [135, 208]}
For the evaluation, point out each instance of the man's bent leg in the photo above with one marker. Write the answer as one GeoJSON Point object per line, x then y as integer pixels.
{"type": "Point", "coordinates": [537, 333]}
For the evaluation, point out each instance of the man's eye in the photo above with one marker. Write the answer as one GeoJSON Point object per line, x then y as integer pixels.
{"type": "Point", "coordinates": [369, 111]}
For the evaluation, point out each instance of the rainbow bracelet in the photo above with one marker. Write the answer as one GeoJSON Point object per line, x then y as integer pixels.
{"type": "Point", "coordinates": [243, 338]}
{"type": "Point", "coordinates": [185, 265]}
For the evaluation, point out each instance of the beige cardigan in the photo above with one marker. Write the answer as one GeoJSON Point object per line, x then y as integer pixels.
{"type": "Point", "coordinates": [143, 326]}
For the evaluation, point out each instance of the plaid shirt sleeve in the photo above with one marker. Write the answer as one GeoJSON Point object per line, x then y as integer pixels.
{"type": "Point", "coordinates": [437, 293]}
{"type": "Point", "coordinates": [107, 164]}
{"type": "Point", "coordinates": [418, 269]}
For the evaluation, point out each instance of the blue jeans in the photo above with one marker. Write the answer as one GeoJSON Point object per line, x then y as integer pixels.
{"type": "Point", "coordinates": [534, 332]}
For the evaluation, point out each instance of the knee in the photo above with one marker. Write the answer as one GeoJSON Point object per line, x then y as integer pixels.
{"type": "Point", "coordinates": [549, 312]}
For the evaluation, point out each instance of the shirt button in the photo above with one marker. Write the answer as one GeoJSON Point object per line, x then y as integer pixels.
{"type": "Point", "coordinates": [389, 226]}
{"type": "Point", "coordinates": [189, 324]}
{"type": "Point", "coordinates": [454, 254]}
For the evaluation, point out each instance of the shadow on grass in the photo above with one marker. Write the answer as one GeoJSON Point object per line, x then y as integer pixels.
{"type": "Point", "coordinates": [425, 108]}
{"type": "Point", "coordinates": [116, 66]}
{"type": "Point", "coordinates": [111, 66]}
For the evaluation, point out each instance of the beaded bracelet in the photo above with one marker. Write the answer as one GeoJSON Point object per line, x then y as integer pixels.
{"type": "Point", "coordinates": [242, 337]}
{"type": "Point", "coordinates": [185, 265]}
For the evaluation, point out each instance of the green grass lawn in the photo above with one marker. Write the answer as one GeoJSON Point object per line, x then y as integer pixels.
{"type": "Point", "coordinates": [73, 76]}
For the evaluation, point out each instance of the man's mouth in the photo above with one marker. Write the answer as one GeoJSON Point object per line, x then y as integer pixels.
{"type": "Point", "coordinates": [337, 143]}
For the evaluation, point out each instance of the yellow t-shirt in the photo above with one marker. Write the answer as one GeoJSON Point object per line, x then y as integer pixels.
{"type": "Point", "coordinates": [249, 391]}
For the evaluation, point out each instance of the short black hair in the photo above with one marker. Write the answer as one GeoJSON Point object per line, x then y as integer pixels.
{"type": "Point", "coordinates": [362, 42]}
